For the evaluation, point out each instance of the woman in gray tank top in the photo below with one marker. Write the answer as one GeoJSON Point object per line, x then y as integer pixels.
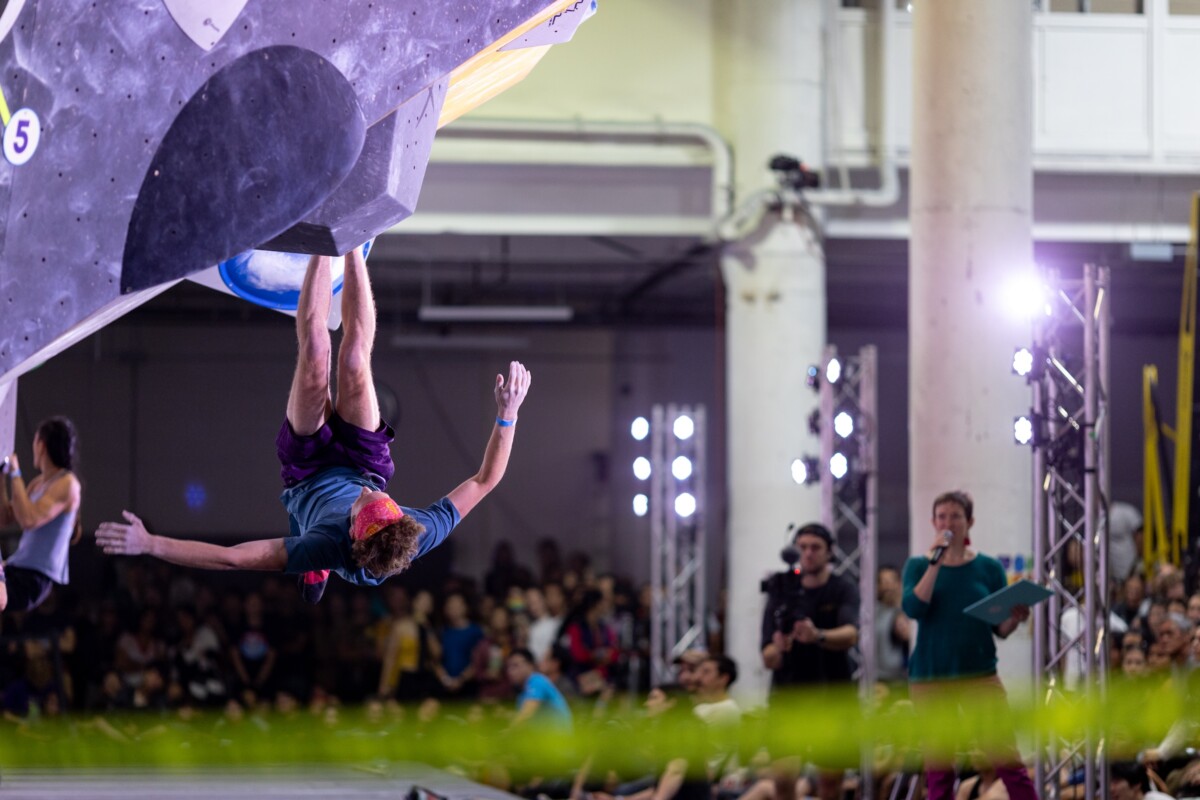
{"type": "Point", "coordinates": [47, 510]}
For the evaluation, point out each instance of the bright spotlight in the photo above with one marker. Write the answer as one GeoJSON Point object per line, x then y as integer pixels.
{"type": "Point", "coordinates": [1027, 296]}
{"type": "Point", "coordinates": [641, 504]}
{"type": "Point", "coordinates": [839, 466]}
{"type": "Point", "coordinates": [804, 470]}
{"type": "Point", "coordinates": [843, 424]}
{"type": "Point", "coordinates": [833, 370]}
{"type": "Point", "coordinates": [1023, 429]}
{"type": "Point", "coordinates": [684, 427]}
{"type": "Point", "coordinates": [685, 505]}
{"type": "Point", "coordinates": [681, 468]}
{"type": "Point", "coordinates": [640, 428]}
{"type": "Point", "coordinates": [641, 468]}
{"type": "Point", "coordinates": [1023, 361]}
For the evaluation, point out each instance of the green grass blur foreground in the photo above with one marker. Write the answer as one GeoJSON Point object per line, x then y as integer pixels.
{"type": "Point", "coordinates": [830, 727]}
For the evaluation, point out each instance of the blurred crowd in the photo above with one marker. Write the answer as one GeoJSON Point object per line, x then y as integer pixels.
{"type": "Point", "coordinates": [165, 637]}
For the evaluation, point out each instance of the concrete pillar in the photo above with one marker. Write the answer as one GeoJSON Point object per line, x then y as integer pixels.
{"type": "Point", "coordinates": [775, 327]}
{"type": "Point", "coordinates": [769, 101]}
{"type": "Point", "coordinates": [971, 204]}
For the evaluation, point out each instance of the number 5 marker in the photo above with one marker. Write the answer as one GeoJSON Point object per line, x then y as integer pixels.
{"type": "Point", "coordinates": [21, 136]}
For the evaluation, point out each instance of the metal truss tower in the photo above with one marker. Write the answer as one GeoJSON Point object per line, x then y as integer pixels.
{"type": "Point", "coordinates": [678, 533]}
{"type": "Point", "coordinates": [1068, 425]}
{"type": "Point", "coordinates": [849, 486]}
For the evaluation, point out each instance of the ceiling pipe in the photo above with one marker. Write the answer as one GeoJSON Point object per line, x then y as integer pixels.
{"type": "Point", "coordinates": [616, 133]}
{"type": "Point", "coordinates": [889, 171]}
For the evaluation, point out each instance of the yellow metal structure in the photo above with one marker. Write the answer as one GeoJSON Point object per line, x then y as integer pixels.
{"type": "Point", "coordinates": [1165, 542]}
{"type": "Point", "coordinates": [1183, 397]}
{"type": "Point", "coordinates": [1154, 521]}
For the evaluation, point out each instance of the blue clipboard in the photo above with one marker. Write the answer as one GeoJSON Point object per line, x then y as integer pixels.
{"type": "Point", "coordinates": [998, 606]}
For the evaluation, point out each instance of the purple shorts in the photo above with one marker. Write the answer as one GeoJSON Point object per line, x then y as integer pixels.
{"type": "Point", "coordinates": [337, 443]}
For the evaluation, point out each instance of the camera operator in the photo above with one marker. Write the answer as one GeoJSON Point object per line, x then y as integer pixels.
{"type": "Point", "coordinates": [810, 622]}
{"type": "Point", "coordinates": [811, 618]}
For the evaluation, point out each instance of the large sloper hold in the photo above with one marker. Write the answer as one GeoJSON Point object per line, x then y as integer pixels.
{"type": "Point", "coordinates": [382, 189]}
{"type": "Point", "coordinates": [107, 80]}
{"type": "Point", "coordinates": [241, 163]}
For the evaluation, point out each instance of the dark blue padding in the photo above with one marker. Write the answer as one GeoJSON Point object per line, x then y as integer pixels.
{"type": "Point", "coordinates": [260, 145]}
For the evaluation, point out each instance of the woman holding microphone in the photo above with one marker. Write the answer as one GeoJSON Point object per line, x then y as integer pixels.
{"type": "Point", "coordinates": [956, 652]}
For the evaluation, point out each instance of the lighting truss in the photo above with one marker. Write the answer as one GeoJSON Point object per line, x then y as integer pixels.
{"type": "Point", "coordinates": [848, 504]}
{"type": "Point", "coordinates": [677, 548]}
{"type": "Point", "coordinates": [1070, 473]}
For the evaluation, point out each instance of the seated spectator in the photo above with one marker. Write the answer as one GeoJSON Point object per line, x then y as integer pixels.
{"type": "Point", "coordinates": [1129, 781]}
{"type": "Point", "coordinates": [494, 651]}
{"type": "Point", "coordinates": [540, 703]}
{"type": "Point", "coordinates": [252, 653]}
{"type": "Point", "coordinates": [1133, 603]}
{"type": "Point", "coordinates": [459, 638]}
{"type": "Point", "coordinates": [1133, 663]}
{"type": "Point", "coordinates": [713, 704]}
{"type": "Point", "coordinates": [551, 666]}
{"type": "Point", "coordinates": [1193, 609]}
{"type": "Point", "coordinates": [411, 653]}
{"type": "Point", "coordinates": [687, 665]}
{"type": "Point", "coordinates": [543, 627]}
{"type": "Point", "coordinates": [1174, 634]}
{"type": "Point", "coordinates": [140, 650]}
{"type": "Point", "coordinates": [195, 660]}
{"type": "Point", "coordinates": [592, 645]}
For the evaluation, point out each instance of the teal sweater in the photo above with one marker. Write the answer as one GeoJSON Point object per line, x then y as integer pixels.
{"type": "Point", "coordinates": [951, 644]}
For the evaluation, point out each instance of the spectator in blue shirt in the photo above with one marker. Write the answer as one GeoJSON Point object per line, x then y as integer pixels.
{"type": "Point", "coordinates": [459, 669]}
{"type": "Point", "coordinates": [540, 703]}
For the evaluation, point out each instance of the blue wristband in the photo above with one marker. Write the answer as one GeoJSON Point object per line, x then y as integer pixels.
{"type": "Point", "coordinates": [505, 423]}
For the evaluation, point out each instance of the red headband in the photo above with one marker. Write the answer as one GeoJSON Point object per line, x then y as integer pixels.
{"type": "Point", "coordinates": [374, 517]}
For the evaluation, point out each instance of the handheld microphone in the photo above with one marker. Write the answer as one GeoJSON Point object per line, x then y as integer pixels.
{"type": "Point", "coordinates": [940, 550]}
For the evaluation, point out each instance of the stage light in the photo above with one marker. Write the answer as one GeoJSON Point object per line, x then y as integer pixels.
{"type": "Point", "coordinates": [839, 466]}
{"type": "Point", "coordinates": [685, 505]}
{"type": "Point", "coordinates": [1027, 296]}
{"type": "Point", "coordinates": [812, 377]}
{"type": "Point", "coordinates": [641, 505]}
{"type": "Point", "coordinates": [1023, 429]}
{"type": "Point", "coordinates": [641, 468]}
{"type": "Point", "coordinates": [843, 425]}
{"type": "Point", "coordinates": [640, 428]}
{"type": "Point", "coordinates": [804, 470]}
{"type": "Point", "coordinates": [833, 370]}
{"type": "Point", "coordinates": [681, 468]}
{"type": "Point", "coordinates": [1022, 363]}
{"type": "Point", "coordinates": [684, 427]}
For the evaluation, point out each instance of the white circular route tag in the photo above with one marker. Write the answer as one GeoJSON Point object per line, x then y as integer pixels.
{"type": "Point", "coordinates": [21, 136]}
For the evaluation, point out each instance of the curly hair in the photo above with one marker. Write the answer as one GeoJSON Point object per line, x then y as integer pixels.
{"type": "Point", "coordinates": [391, 550]}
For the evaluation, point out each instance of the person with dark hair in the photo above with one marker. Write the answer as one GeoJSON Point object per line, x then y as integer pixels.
{"type": "Point", "coordinates": [592, 644]}
{"type": "Point", "coordinates": [714, 705]}
{"type": "Point", "coordinates": [539, 703]}
{"type": "Point", "coordinates": [336, 461]}
{"type": "Point", "coordinates": [47, 509]}
{"type": "Point", "coordinates": [1129, 780]}
{"type": "Point", "coordinates": [460, 639]}
{"type": "Point", "coordinates": [806, 633]}
{"type": "Point", "coordinates": [809, 624]}
{"type": "Point", "coordinates": [956, 652]}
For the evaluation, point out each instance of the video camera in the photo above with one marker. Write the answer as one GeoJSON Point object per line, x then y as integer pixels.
{"type": "Point", "coordinates": [786, 592]}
